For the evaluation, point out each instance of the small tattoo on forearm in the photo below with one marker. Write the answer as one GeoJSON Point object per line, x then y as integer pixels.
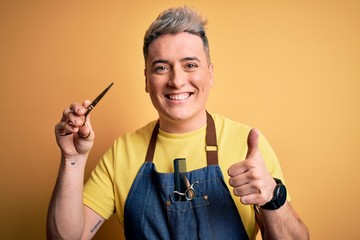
{"type": "Point", "coordinates": [96, 225]}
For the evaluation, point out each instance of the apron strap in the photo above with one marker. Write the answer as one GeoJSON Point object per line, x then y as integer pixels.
{"type": "Point", "coordinates": [151, 148]}
{"type": "Point", "coordinates": [211, 147]}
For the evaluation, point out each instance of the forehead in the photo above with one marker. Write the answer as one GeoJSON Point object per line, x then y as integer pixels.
{"type": "Point", "coordinates": [180, 45]}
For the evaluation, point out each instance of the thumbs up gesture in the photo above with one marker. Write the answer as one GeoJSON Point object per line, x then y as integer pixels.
{"type": "Point", "coordinates": [250, 178]}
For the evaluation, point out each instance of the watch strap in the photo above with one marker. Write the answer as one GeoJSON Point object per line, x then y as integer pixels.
{"type": "Point", "coordinates": [279, 197]}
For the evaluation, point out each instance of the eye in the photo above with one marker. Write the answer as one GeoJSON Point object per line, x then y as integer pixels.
{"type": "Point", "coordinates": [161, 69]}
{"type": "Point", "coordinates": [191, 66]}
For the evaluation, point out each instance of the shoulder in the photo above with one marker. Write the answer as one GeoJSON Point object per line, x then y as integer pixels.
{"type": "Point", "coordinates": [228, 127]}
{"type": "Point", "coordinates": [233, 135]}
{"type": "Point", "coordinates": [131, 146]}
{"type": "Point", "coordinates": [231, 129]}
{"type": "Point", "coordinates": [141, 135]}
{"type": "Point", "coordinates": [231, 139]}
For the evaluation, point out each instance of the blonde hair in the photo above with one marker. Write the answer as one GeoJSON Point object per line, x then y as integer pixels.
{"type": "Point", "coordinates": [177, 20]}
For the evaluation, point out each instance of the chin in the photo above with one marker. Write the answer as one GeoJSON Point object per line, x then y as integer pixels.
{"type": "Point", "coordinates": [174, 115]}
{"type": "Point", "coordinates": [178, 116]}
{"type": "Point", "coordinates": [182, 115]}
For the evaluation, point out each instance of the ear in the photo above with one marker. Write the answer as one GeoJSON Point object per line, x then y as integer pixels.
{"type": "Point", "coordinates": [211, 72]}
{"type": "Point", "coordinates": [146, 82]}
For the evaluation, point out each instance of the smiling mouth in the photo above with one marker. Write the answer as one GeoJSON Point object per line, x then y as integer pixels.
{"type": "Point", "coordinates": [178, 96]}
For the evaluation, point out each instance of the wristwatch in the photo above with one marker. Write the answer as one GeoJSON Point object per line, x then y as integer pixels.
{"type": "Point", "coordinates": [279, 197]}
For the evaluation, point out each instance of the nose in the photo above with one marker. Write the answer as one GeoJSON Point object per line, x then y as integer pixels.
{"type": "Point", "coordinates": [177, 78]}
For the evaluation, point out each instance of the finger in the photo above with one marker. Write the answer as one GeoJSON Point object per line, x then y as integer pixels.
{"type": "Point", "coordinates": [250, 194]}
{"type": "Point", "coordinates": [60, 128]}
{"type": "Point", "coordinates": [86, 103]}
{"type": "Point", "coordinates": [255, 198]}
{"type": "Point", "coordinates": [67, 129]}
{"type": "Point", "coordinates": [245, 190]}
{"type": "Point", "coordinates": [78, 109]}
{"type": "Point", "coordinates": [64, 117]}
{"type": "Point", "coordinates": [252, 142]}
{"type": "Point", "coordinates": [85, 130]}
{"type": "Point", "coordinates": [251, 199]}
{"type": "Point", "coordinates": [239, 180]}
{"type": "Point", "coordinates": [77, 115]}
{"type": "Point", "coordinates": [237, 169]}
{"type": "Point", "coordinates": [75, 120]}
{"type": "Point", "coordinates": [72, 119]}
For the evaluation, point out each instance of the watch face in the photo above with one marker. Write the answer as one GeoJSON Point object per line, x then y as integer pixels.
{"type": "Point", "coordinates": [281, 195]}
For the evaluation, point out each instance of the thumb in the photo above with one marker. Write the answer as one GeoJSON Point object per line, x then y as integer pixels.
{"type": "Point", "coordinates": [252, 142]}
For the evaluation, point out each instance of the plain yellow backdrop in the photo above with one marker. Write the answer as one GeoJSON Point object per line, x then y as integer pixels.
{"type": "Point", "coordinates": [289, 68]}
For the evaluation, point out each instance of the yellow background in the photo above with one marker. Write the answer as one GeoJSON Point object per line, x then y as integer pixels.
{"type": "Point", "coordinates": [289, 68]}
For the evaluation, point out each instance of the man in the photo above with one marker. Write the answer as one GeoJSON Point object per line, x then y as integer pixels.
{"type": "Point", "coordinates": [233, 182]}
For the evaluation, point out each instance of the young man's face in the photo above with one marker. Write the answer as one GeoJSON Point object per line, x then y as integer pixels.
{"type": "Point", "coordinates": [178, 79]}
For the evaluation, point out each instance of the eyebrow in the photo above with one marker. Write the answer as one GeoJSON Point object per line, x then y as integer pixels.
{"type": "Point", "coordinates": [182, 60]}
{"type": "Point", "coordinates": [190, 59]}
{"type": "Point", "coordinates": [159, 61]}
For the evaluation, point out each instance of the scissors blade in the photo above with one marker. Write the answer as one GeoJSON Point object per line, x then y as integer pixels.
{"type": "Point", "coordinates": [97, 99]}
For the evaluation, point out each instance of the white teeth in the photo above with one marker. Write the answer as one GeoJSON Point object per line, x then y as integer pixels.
{"type": "Point", "coordinates": [179, 96]}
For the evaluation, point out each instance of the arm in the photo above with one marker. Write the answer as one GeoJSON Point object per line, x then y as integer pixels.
{"type": "Point", "coordinates": [283, 223]}
{"type": "Point", "coordinates": [67, 217]}
{"type": "Point", "coordinates": [253, 183]}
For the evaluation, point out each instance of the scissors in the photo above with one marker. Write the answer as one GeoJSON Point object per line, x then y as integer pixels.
{"type": "Point", "coordinates": [189, 193]}
{"type": "Point", "coordinates": [92, 105]}
{"type": "Point", "coordinates": [97, 99]}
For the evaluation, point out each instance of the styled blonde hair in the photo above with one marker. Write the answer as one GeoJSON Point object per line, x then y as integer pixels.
{"type": "Point", "coordinates": [177, 20]}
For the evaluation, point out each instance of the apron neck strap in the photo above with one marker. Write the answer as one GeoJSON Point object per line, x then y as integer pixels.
{"type": "Point", "coordinates": [211, 147]}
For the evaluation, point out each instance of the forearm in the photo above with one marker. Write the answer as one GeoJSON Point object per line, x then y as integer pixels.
{"type": "Point", "coordinates": [66, 210]}
{"type": "Point", "coordinates": [282, 224]}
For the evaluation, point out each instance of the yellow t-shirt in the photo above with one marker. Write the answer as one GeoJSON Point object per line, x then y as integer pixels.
{"type": "Point", "coordinates": [109, 184]}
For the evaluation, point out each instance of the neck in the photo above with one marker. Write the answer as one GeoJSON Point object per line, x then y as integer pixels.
{"type": "Point", "coordinates": [183, 125]}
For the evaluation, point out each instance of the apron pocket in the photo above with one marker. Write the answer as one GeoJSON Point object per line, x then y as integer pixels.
{"type": "Point", "coordinates": [191, 219]}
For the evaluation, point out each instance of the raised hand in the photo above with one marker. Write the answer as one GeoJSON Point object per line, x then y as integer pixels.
{"type": "Point", "coordinates": [250, 178]}
{"type": "Point", "coordinates": [74, 134]}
